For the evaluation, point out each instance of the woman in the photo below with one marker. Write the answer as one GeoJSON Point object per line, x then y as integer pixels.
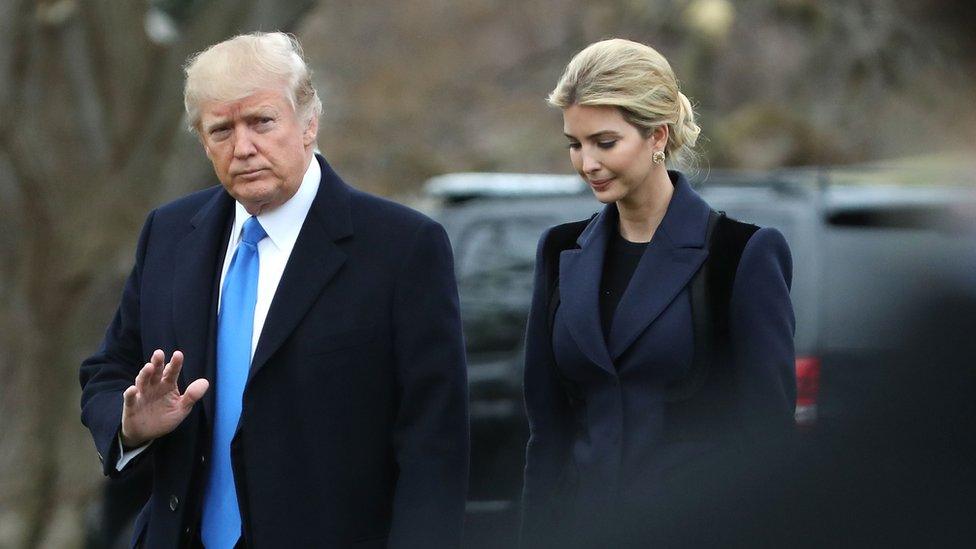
{"type": "Point", "coordinates": [660, 340]}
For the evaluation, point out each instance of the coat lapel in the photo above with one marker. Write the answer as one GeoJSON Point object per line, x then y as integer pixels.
{"type": "Point", "coordinates": [194, 283]}
{"type": "Point", "coordinates": [580, 271]}
{"type": "Point", "coordinates": [670, 261]}
{"type": "Point", "coordinates": [314, 261]}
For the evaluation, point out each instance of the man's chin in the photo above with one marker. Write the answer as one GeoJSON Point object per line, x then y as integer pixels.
{"type": "Point", "coordinates": [256, 202]}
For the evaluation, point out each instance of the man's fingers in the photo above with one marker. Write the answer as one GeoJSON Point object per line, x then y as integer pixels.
{"type": "Point", "coordinates": [194, 392]}
{"type": "Point", "coordinates": [142, 379]}
{"type": "Point", "coordinates": [157, 360]}
{"type": "Point", "coordinates": [172, 371]}
{"type": "Point", "coordinates": [129, 396]}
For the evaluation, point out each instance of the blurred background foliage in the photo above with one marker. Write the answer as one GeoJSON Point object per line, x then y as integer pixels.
{"type": "Point", "coordinates": [435, 87]}
{"type": "Point", "coordinates": [92, 137]}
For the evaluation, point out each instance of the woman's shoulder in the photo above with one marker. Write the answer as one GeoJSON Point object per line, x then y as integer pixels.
{"type": "Point", "coordinates": [766, 254]}
{"type": "Point", "coordinates": [767, 240]}
{"type": "Point", "coordinates": [747, 238]}
{"type": "Point", "coordinates": [562, 236]}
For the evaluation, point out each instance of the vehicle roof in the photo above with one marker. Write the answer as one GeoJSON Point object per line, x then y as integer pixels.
{"type": "Point", "coordinates": [835, 189]}
{"type": "Point", "coordinates": [466, 185]}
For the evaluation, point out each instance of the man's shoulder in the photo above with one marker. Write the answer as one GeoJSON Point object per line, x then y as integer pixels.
{"type": "Point", "coordinates": [181, 212]}
{"type": "Point", "coordinates": [377, 213]}
{"type": "Point", "coordinates": [369, 213]}
{"type": "Point", "coordinates": [190, 204]}
{"type": "Point", "coordinates": [193, 201]}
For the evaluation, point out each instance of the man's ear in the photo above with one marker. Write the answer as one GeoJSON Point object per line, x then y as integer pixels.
{"type": "Point", "coordinates": [311, 131]}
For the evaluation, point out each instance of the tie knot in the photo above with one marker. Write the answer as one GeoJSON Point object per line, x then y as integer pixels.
{"type": "Point", "coordinates": [253, 232]}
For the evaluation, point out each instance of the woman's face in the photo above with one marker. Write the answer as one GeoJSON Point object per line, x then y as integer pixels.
{"type": "Point", "coordinates": [609, 153]}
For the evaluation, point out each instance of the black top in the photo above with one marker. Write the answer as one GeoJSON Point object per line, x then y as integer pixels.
{"type": "Point", "coordinates": [618, 268]}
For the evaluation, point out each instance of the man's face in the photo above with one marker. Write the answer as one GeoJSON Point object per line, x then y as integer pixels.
{"type": "Point", "coordinates": [258, 146]}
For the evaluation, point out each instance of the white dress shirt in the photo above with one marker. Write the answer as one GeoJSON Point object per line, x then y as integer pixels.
{"type": "Point", "coordinates": [282, 225]}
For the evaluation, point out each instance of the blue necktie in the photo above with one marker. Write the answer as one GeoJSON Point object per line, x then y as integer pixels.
{"type": "Point", "coordinates": [221, 527]}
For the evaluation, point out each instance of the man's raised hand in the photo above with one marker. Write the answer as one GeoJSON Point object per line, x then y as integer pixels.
{"type": "Point", "coordinates": [154, 406]}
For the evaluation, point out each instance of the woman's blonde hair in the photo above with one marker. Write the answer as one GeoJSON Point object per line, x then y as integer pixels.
{"type": "Point", "coordinates": [637, 80]}
{"type": "Point", "coordinates": [245, 64]}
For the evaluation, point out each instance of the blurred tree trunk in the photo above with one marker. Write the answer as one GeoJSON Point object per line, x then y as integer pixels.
{"type": "Point", "coordinates": [91, 136]}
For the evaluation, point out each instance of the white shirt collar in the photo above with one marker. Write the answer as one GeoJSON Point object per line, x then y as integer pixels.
{"type": "Point", "coordinates": [284, 222]}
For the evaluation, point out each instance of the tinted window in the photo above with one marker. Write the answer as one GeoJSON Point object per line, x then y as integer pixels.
{"type": "Point", "coordinates": [902, 217]}
{"type": "Point", "coordinates": [495, 260]}
{"type": "Point", "coordinates": [877, 278]}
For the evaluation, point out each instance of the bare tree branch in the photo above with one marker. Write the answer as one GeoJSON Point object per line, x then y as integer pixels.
{"type": "Point", "coordinates": [15, 30]}
{"type": "Point", "coordinates": [122, 57]}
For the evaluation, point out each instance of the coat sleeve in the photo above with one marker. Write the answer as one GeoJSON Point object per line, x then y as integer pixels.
{"type": "Point", "coordinates": [112, 369]}
{"type": "Point", "coordinates": [549, 416]}
{"type": "Point", "coordinates": [762, 328]}
{"type": "Point", "coordinates": [431, 431]}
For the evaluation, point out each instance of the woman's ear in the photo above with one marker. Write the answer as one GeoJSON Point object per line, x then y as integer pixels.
{"type": "Point", "coordinates": [659, 137]}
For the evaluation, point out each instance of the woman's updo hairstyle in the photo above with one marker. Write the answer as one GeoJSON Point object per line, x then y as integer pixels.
{"type": "Point", "coordinates": [637, 80]}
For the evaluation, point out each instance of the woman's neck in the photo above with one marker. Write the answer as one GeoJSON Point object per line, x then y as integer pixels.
{"type": "Point", "coordinates": [641, 212]}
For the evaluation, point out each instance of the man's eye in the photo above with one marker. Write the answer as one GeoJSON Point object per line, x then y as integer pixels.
{"type": "Point", "coordinates": [606, 144]}
{"type": "Point", "coordinates": [218, 133]}
{"type": "Point", "coordinates": [264, 123]}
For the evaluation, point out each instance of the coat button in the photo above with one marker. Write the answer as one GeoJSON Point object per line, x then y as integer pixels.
{"type": "Point", "coordinates": [174, 502]}
{"type": "Point", "coordinates": [203, 459]}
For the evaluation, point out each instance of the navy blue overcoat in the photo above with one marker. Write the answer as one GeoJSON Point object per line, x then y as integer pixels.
{"type": "Point", "coordinates": [604, 439]}
{"type": "Point", "coordinates": [354, 429]}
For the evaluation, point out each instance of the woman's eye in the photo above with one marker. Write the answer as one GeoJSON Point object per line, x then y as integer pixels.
{"type": "Point", "coordinates": [573, 145]}
{"type": "Point", "coordinates": [606, 144]}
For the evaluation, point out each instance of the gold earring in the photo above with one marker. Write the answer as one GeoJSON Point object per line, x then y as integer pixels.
{"type": "Point", "coordinates": [658, 157]}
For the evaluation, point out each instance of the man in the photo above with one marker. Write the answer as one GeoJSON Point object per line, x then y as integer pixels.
{"type": "Point", "coordinates": [325, 319]}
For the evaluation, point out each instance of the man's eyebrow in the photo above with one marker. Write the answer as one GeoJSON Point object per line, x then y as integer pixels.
{"type": "Point", "coordinates": [254, 112]}
{"type": "Point", "coordinates": [259, 110]}
{"type": "Point", "coordinates": [215, 124]}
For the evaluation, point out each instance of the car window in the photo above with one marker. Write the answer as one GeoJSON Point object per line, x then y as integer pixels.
{"type": "Point", "coordinates": [498, 244]}
{"type": "Point", "coordinates": [878, 277]}
{"type": "Point", "coordinates": [495, 260]}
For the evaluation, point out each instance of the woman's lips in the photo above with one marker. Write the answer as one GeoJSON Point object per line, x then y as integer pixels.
{"type": "Point", "coordinates": [600, 184]}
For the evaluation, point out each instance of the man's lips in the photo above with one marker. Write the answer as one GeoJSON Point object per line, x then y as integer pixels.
{"type": "Point", "coordinates": [249, 173]}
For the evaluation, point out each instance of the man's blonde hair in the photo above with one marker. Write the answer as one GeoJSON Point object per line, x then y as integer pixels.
{"type": "Point", "coordinates": [245, 64]}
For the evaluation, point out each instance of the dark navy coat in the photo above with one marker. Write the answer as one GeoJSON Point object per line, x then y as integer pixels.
{"type": "Point", "coordinates": [354, 429]}
{"type": "Point", "coordinates": [603, 439]}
